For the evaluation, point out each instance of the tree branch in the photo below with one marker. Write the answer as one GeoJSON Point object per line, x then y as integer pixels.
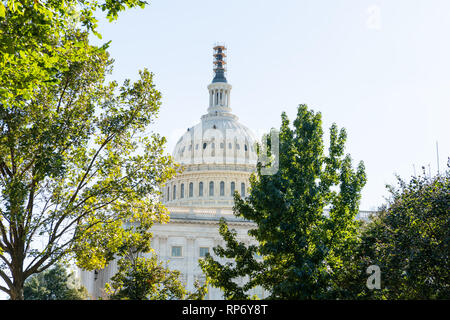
{"type": "Point", "coordinates": [5, 170]}
{"type": "Point", "coordinates": [5, 290]}
{"type": "Point", "coordinates": [62, 94]}
{"type": "Point", "coordinates": [4, 236]}
{"type": "Point", "coordinates": [6, 279]}
{"type": "Point", "coordinates": [107, 140]}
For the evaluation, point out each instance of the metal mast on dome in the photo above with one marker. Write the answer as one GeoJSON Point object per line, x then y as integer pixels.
{"type": "Point", "coordinates": [219, 63]}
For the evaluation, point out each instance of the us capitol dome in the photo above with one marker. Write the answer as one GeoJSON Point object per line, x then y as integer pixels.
{"type": "Point", "coordinates": [218, 156]}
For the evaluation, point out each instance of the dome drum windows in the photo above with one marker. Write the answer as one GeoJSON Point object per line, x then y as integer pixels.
{"type": "Point", "coordinates": [191, 190]}
{"type": "Point", "coordinates": [200, 189]}
{"type": "Point", "coordinates": [222, 188]}
{"type": "Point", "coordinates": [211, 189]}
{"type": "Point", "coordinates": [186, 190]}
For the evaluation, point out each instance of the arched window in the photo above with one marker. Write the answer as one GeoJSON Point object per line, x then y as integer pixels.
{"type": "Point", "coordinates": [233, 187]}
{"type": "Point", "coordinates": [174, 192]}
{"type": "Point", "coordinates": [191, 190]}
{"type": "Point", "coordinates": [182, 191]}
{"type": "Point", "coordinates": [200, 189]}
{"type": "Point", "coordinates": [168, 193]}
{"type": "Point", "coordinates": [242, 189]}
{"type": "Point", "coordinates": [211, 189]}
{"type": "Point", "coordinates": [222, 188]}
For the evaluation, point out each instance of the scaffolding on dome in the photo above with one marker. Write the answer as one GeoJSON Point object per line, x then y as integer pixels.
{"type": "Point", "coordinates": [219, 63]}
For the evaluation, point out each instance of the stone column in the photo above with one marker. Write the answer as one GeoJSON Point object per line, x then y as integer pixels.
{"type": "Point", "coordinates": [190, 257]}
{"type": "Point", "coordinates": [163, 247]}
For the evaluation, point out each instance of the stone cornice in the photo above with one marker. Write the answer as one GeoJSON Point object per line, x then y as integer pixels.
{"type": "Point", "coordinates": [186, 218]}
{"type": "Point", "coordinates": [203, 167]}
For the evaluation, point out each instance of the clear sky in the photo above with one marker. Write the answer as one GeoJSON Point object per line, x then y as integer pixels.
{"type": "Point", "coordinates": [381, 69]}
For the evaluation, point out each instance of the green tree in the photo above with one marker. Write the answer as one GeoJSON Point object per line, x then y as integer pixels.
{"type": "Point", "coordinates": [409, 241]}
{"type": "Point", "coordinates": [141, 278]}
{"type": "Point", "coordinates": [302, 248]}
{"type": "Point", "coordinates": [79, 172]}
{"type": "Point", "coordinates": [37, 43]}
{"type": "Point", "coordinates": [54, 284]}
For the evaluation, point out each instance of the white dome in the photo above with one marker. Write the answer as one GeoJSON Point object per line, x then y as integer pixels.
{"type": "Point", "coordinates": [218, 156]}
{"type": "Point", "coordinates": [217, 139]}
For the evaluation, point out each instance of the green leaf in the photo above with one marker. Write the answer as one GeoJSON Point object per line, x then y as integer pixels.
{"type": "Point", "coordinates": [2, 10]}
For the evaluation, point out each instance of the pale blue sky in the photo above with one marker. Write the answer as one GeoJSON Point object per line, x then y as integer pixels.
{"type": "Point", "coordinates": [380, 69]}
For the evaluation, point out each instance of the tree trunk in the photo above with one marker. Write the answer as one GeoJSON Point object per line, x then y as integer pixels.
{"type": "Point", "coordinates": [17, 292]}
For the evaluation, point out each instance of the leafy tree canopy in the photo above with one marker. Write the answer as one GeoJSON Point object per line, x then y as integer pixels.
{"type": "Point", "coordinates": [54, 284]}
{"type": "Point", "coordinates": [409, 241]}
{"type": "Point", "coordinates": [302, 246]}
{"type": "Point", "coordinates": [37, 41]}
{"type": "Point", "coordinates": [142, 278]}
